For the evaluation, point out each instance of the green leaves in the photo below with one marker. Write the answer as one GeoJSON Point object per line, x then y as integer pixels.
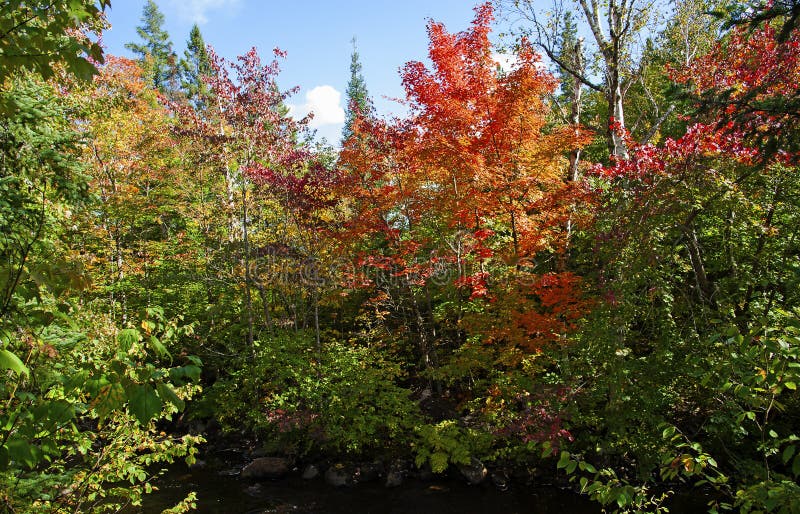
{"type": "Point", "coordinates": [444, 443]}
{"type": "Point", "coordinates": [143, 402]}
{"type": "Point", "coordinates": [18, 449]}
{"type": "Point", "coordinates": [168, 394]}
{"type": "Point", "coordinates": [563, 460]}
{"type": "Point", "coordinates": [110, 398]}
{"type": "Point", "coordinates": [127, 338]}
{"type": "Point", "coordinates": [40, 37]}
{"type": "Point", "coordinates": [182, 374]}
{"type": "Point", "coordinates": [8, 360]}
{"type": "Point", "coordinates": [788, 452]}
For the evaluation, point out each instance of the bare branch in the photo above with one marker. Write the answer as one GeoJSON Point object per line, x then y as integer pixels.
{"type": "Point", "coordinates": [593, 18]}
{"type": "Point", "coordinates": [652, 132]}
{"type": "Point", "coordinates": [566, 67]}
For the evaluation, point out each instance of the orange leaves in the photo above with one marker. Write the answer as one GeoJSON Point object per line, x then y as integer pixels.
{"type": "Point", "coordinates": [475, 141]}
{"type": "Point", "coordinates": [532, 311]}
{"type": "Point", "coordinates": [470, 187]}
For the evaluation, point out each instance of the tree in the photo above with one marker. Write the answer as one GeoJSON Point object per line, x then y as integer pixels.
{"type": "Point", "coordinates": [614, 27]}
{"type": "Point", "coordinates": [690, 356]}
{"type": "Point", "coordinates": [749, 83]}
{"type": "Point", "coordinates": [571, 54]}
{"type": "Point", "coordinates": [135, 172]}
{"type": "Point", "coordinates": [67, 377]}
{"type": "Point", "coordinates": [195, 69]}
{"type": "Point", "coordinates": [246, 129]}
{"type": "Point", "coordinates": [40, 173]}
{"type": "Point", "coordinates": [156, 49]}
{"type": "Point", "coordinates": [41, 37]}
{"type": "Point", "coordinates": [358, 100]}
{"type": "Point", "coordinates": [470, 183]}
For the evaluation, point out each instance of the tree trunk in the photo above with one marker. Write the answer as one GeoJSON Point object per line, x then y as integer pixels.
{"type": "Point", "coordinates": [247, 279]}
{"type": "Point", "coordinates": [575, 112]}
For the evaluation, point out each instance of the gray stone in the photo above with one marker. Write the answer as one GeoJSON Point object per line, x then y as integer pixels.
{"type": "Point", "coordinates": [338, 476]}
{"type": "Point", "coordinates": [394, 478]}
{"type": "Point", "coordinates": [397, 473]}
{"type": "Point", "coordinates": [258, 453]}
{"type": "Point", "coordinates": [253, 490]}
{"type": "Point", "coordinates": [310, 472]}
{"type": "Point", "coordinates": [266, 467]}
{"type": "Point", "coordinates": [475, 472]}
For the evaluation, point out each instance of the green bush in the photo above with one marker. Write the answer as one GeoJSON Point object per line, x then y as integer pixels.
{"type": "Point", "coordinates": [341, 399]}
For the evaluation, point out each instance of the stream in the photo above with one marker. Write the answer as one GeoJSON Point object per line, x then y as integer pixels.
{"type": "Point", "coordinates": [221, 490]}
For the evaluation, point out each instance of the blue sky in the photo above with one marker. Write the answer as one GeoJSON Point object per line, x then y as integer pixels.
{"type": "Point", "coordinates": [315, 33]}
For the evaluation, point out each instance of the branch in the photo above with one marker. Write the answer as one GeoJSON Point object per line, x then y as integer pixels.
{"type": "Point", "coordinates": [593, 18]}
{"type": "Point", "coordinates": [578, 76]}
{"type": "Point", "coordinates": [561, 113]}
{"type": "Point", "coordinates": [18, 25]}
{"type": "Point", "coordinates": [547, 44]}
{"type": "Point", "coordinates": [25, 21]}
{"type": "Point", "coordinates": [652, 132]}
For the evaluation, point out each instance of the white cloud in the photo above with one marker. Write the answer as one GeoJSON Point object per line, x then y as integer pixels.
{"type": "Point", "coordinates": [326, 104]}
{"type": "Point", "coordinates": [196, 10]}
{"type": "Point", "coordinates": [506, 62]}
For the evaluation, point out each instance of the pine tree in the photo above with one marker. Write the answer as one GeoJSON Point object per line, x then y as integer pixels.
{"type": "Point", "coordinates": [193, 67]}
{"type": "Point", "coordinates": [156, 48]}
{"type": "Point", "coordinates": [358, 101]}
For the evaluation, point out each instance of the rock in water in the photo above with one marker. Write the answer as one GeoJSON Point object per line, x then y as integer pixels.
{"type": "Point", "coordinates": [311, 472]}
{"type": "Point", "coordinates": [369, 471]}
{"type": "Point", "coordinates": [394, 478]}
{"type": "Point", "coordinates": [396, 474]}
{"type": "Point", "coordinates": [500, 480]}
{"type": "Point", "coordinates": [258, 453]}
{"type": "Point", "coordinates": [266, 467]}
{"type": "Point", "coordinates": [253, 490]}
{"type": "Point", "coordinates": [475, 472]}
{"type": "Point", "coordinates": [338, 476]}
{"type": "Point", "coordinates": [425, 473]}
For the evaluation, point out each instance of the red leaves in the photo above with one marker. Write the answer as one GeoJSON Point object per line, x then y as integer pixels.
{"type": "Point", "coordinates": [247, 117]}
{"type": "Point", "coordinates": [751, 79]}
{"type": "Point", "coordinates": [483, 234]}
{"type": "Point", "coordinates": [671, 159]}
{"type": "Point", "coordinates": [304, 192]}
{"type": "Point", "coordinates": [470, 176]}
{"type": "Point", "coordinates": [536, 419]}
{"type": "Point", "coordinates": [476, 283]}
{"type": "Point", "coordinates": [747, 61]}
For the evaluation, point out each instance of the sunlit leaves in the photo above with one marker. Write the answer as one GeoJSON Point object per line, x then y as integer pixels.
{"type": "Point", "coordinates": [42, 37]}
{"type": "Point", "coordinates": [749, 83]}
{"type": "Point", "coordinates": [471, 182]}
{"type": "Point", "coordinates": [8, 360]}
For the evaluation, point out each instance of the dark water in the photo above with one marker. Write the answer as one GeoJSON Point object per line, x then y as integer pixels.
{"type": "Point", "coordinates": [219, 491]}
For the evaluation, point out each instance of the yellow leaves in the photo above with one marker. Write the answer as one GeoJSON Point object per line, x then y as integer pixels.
{"type": "Point", "coordinates": [148, 326]}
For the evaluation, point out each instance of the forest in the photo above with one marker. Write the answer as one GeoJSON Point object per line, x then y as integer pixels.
{"type": "Point", "coordinates": [584, 266]}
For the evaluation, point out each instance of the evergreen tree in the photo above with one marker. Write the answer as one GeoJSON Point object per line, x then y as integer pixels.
{"type": "Point", "coordinates": [156, 48]}
{"type": "Point", "coordinates": [358, 101]}
{"type": "Point", "coordinates": [193, 67]}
